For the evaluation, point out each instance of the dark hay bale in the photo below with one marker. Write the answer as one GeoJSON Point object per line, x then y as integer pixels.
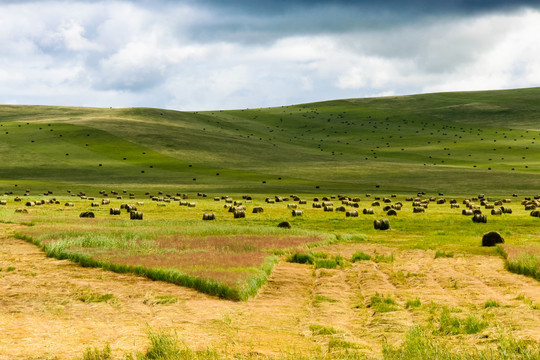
{"type": "Point", "coordinates": [535, 213]}
{"type": "Point", "coordinates": [315, 199]}
{"type": "Point", "coordinates": [136, 215]}
{"type": "Point", "coordinates": [387, 207]}
{"type": "Point", "coordinates": [381, 224]}
{"type": "Point", "coordinates": [477, 212]}
{"type": "Point", "coordinates": [210, 216]}
{"type": "Point", "coordinates": [492, 238]}
{"type": "Point", "coordinates": [30, 203]}
{"type": "Point", "coordinates": [478, 218]}
{"type": "Point", "coordinates": [376, 203]}
{"type": "Point", "coordinates": [69, 204]}
{"type": "Point", "coordinates": [284, 225]}
{"type": "Point", "coordinates": [391, 213]}
{"type": "Point", "coordinates": [506, 210]}
{"type": "Point", "coordinates": [317, 205]}
{"type": "Point", "coordinates": [454, 206]}
{"type": "Point", "coordinates": [329, 208]}
{"type": "Point", "coordinates": [87, 214]}
{"type": "Point", "coordinates": [419, 210]}
{"type": "Point", "coordinates": [94, 204]}
{"type": "Point", "coordinates": [352, 213]}
{"type": "Point", "coordinates": [257, 210]}
{"type": "Point", "coordinates": [496, 212]}
{"type": "Point", "coordinates": [341, 208]}
{"type": "Point", "coordinates": [302, 202]}
{"type": "Point", "coordinates": [21, 211]}
{"type": "Point", "coordinates": [3, 202]}
{"type": "Point", "coordinates": [367, 211]}
{"type": "Point", "coordinates": [114, 211]}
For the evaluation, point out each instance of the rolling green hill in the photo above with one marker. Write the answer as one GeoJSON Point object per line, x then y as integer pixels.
{"type": "Point", "coordinates": [460, 142]}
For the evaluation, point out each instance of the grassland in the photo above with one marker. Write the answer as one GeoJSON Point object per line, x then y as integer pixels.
{"type": "Point", "coordinates": [452, 142]}
{"type": "Point", "coordinates": [335, 286]}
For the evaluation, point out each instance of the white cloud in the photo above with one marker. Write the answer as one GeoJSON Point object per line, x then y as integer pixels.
{"type": "Point", "coordinates": [120, 53]}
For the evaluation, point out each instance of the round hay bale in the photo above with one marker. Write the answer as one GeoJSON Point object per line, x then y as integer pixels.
{"type": "Point", "coordinates": [478, 218]}
{"type": "Point", "coordinates": [352, 213]}
{"type": "Point", "coordinates": [477, 212]}
{"type": "Point", "coordinates": [114, 211]}
{"type": "Point", "coordinates": [381, 224]}
{"type": "Point", "coordinates": [506, 210]}
{"type": "Point", "coordinates": [87, 214]}
{"type": "Point", "coordinates": [367, 211]}
{"type": "Point", "coordinates": [329, 208]}
{"type": "Point", "coordinates": [297, 213]}
{"type": "Point", "coordinates": [3, 202]}
{"type": "Point", "coordinates": [21, 211]}
{"type": "Point", "coordinates": [391, 213]}
{"type": "Point", "coordinates": [496, 212]}
{"type": "Point", "coordinates": [341, 208]}
{"type": "Point", "coordinates": [375, 203]}
{"type": "Point", "coordinates": [316, 205]}
{"type": "Point", "coordinates": [419, 210]}
{"type": "Point", "coordinates": [492, 238]}
{"type": "Point", "coordinates": [30, 203]}
{"type": "Point", "coordinates": [454, 206]}
{"type": "Point", "coordinates": [302, 202]}
{"type": "Point", "coordinates": [69, 204]}
{"type": "Point", "coordinates": [257, 210]}
{"type": "Point", "coordinates": [238, 214]}
{"type": "Point", "coordinates": [136, 215]}
{"type": "Point", "coordinates": [292, 206]}
{"type": "Point", "coordinates": [284, 225]}
{"type": "Point", "coordinates": [210, 216]}
{"type": "Point", "coordinates": [535, 213]}
{"type": "Point", "coordinates": [94, 204]}
{"type": "Point", "coordinates": [387, 207]}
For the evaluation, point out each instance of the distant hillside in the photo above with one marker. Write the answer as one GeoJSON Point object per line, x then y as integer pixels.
{"type": "Point", "coordinates": [459, 142]}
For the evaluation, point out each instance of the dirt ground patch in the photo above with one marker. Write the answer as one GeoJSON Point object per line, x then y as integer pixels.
{"type": "Point", "coordinates": [45, 312]}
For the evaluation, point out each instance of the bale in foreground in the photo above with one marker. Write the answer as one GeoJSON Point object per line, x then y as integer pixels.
{"type": "Point", "coordinates": [492, 238]}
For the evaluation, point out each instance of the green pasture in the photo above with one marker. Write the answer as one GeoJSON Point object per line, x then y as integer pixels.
{"type": "Point", "coordinates": [459, 143]}
{"type": "Point", "coordinates": [231, 257]}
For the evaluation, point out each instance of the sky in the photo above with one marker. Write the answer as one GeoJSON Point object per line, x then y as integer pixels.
{"type": "Point", "coordinates": [232, 54]}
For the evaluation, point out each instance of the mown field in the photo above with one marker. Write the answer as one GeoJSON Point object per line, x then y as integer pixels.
{"type": "Point", "coordinates": [329, 287]}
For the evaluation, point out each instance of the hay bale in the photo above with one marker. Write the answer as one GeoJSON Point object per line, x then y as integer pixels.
{"type": "Point", "coordinates": [381, 224]}
{"type": "Point", "coordinates": [21, 211]}
{"type": "Point", "coordinates": [297, 213]}
{"type": "Point", "coordinates": [136, 215]}
{"type": "Point", "coordinates": [114, 211]}
{"type": "Point", "coordinates": [419, 210]}
{"type": "Point", "coordinates": [478, 218]}
{"type": "Point", "coordinates": [391, 213]}
{"type": "Point", "coordinates": [191, 204]}
{"type": "Point", "coordinates": [492, 238]}
{"type": "Point", "coordinates": [292, 206]}
{"type": "Point", "coordinates": [3, 202]}
{"type": "Point", "coordinates": [105, 201]}
{"type": "Point", "coordinates": [368, 211]}
{"type": "Point", "coordinates": [496, 212]}
{"type": "Point", "coordinates": [257, 210]}
{"type": "Point", "coordinates": [454, 206]}
{"type": "Point", "coordinates": [506, 210]}
{"type": "Point", "coordinates": [30, 203]}
{"type": "Point", "coordinates": [94, 204]}
{"type": "Point", "coordinates": [87, 214]}
{"type": "Point", "coordinates": [341, 209]}
{"type": "Point", "coordinates": [375, 203]}
{"type": "Point", "coordinates": [329, 208]}
{"type": "Point", "coordinates": [238, 214]}
{"type": "Point", "coordinates": [352, 213]}
{"type": "Point", "coordinates": [69, 204]}
{"type": "Point", "coordinates": [209, 216]}
{"type": "Point", "coordinates": [284, 225]}
{"type": "Point", "coordinates": [317, 205]}
{"type": "Point", "coordinates": [387, 207]}
{"type": "Point", "coordinates": [535, 213]}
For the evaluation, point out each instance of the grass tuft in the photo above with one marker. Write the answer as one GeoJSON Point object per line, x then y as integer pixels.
{"type": "Point", "coordinates": [382, 304]}
{"type": "Point", "coordinates": [443, 254]}
{"type": "Point", "coordinates": [360, 256]}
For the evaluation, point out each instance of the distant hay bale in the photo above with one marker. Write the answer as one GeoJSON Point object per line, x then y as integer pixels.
{"type": "Point", "coordinates": [441, 201]}
{"type": "Point", "coordinates": [329, 208]}
{"type": "Point", "coordinates": [478, 218]}
{"type": "Point", "coordinates": [492, 238]}
{"type": "Point", "coordinates": [284, 225]}
{"type": "Point", "coordinates": [114, 211]}
{"type": "Point", "coordinates": [387, 207]}
{"type": "Point", "coordinates": [191, 204]}
{"type": "Point", "coordinates": [317, 205]}
{"type": "Point", "coordinates": [136, 215]}
{"type": "Point", "coordinates": [238, 214]}
{"type": "Point", "coordinates": [292, 206]}
{"type": "Point", "coordinates": [105, 201]}
{"type": "Point", "coordinates": [30, 203]}
{"type": "Point", "coordinates": [69, 204]}
{"type": "Point", "coordinates": [3, 202]}
{"type": "Point", "coordinates": [297, 213]}
{"type": "Point", "coordinates": [21, 211]}
{"type": "Point", "coordinates": [87, 214]}
{"type": "Point", "coordinates": [375, 203]}
{"type": "Point", "coordinates": [391, 213]}
{"type": "Point", "coordinates": [302, 202]}
{"type": "Point", "coordinates": [496, 212]}
{"type": "Point", "coordinates": [94, 204]}
{"type": "Point", "coordinates": [419, 210]}
{"type": "Point", "coordinates": [506, 210]}
{"type": "Point", "coordinates": [467, 212]}
{"type": "Point", "coordinates": [381, 224]}
{"type": "Point", "coordinates": [367, 211]}
{"type": "Point", "coordinates": [535, 213]}
{"type": "Point", "coordinates": [454, 206]}
{"type": "Point", "coordinates": [341, 209]}
{"type": "Point", "coordinates": [209, 216]}
{"type": "Point", "coordinates": [257, 210]}
{"type": "Point", "coordinates": [351, 213]}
